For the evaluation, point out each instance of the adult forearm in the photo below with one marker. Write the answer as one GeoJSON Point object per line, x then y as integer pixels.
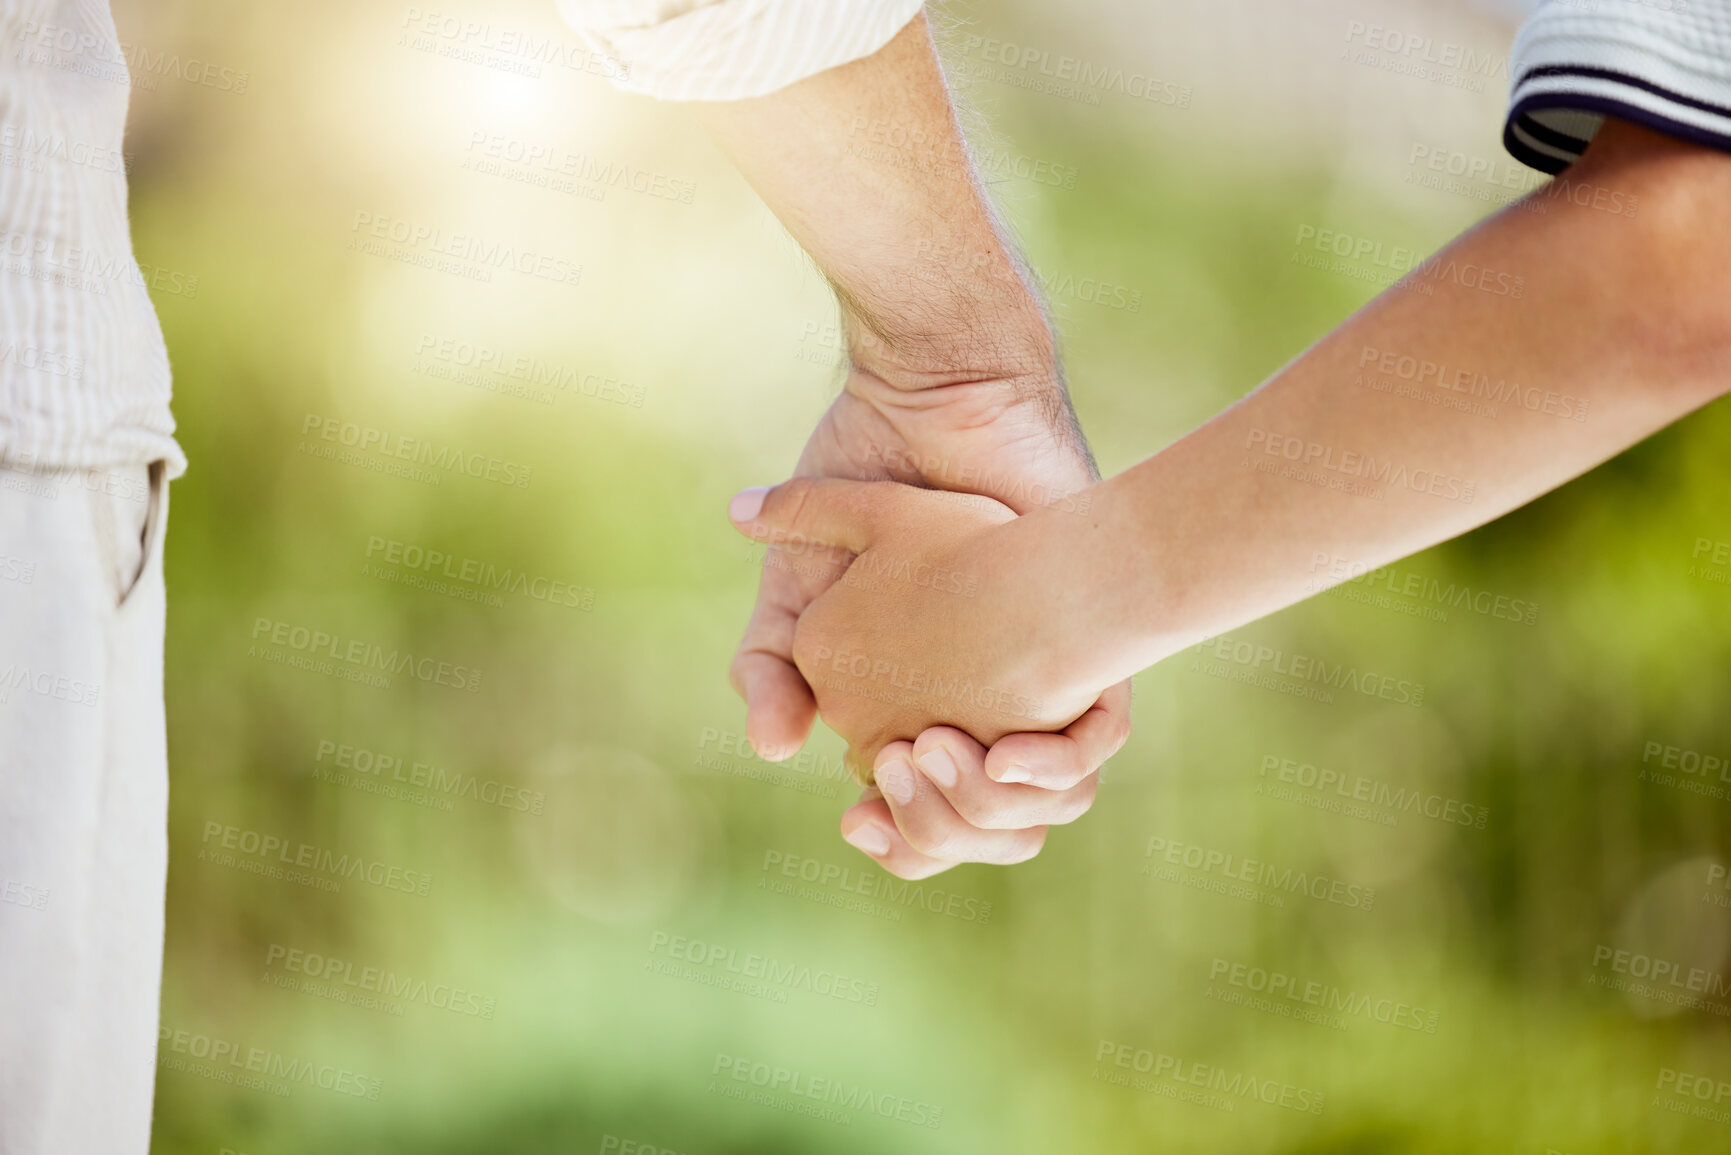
{"type": "Point", "coordinates": [1437, 408]}
{"type": "Point", "coordinates": [866, 166]}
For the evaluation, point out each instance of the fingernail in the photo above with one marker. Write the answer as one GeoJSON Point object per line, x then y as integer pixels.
{"type": "Point", "coordinates": [747, 503]}
{"type": "Point", "coordinates": [1015, 772]}
{"type": "Point", "coordinates": [869, 839]}
{"type": "Point", "coordinates": [937, 765]}
{"type": "Point", "coordinates": [896, 779]}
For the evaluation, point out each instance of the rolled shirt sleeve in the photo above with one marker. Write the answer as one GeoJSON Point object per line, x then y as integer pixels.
{"type": "Point", "coordinates": [1664, 64]}
{"type": "Point", "coordinates": [731, 49]}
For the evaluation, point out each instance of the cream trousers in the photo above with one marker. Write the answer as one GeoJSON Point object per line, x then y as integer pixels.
{"type": "Point", "coordinates": [83, 807]}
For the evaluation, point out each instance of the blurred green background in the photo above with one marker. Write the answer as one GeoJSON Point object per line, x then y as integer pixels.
{"type": "Point", "coordinates": [589, 815]}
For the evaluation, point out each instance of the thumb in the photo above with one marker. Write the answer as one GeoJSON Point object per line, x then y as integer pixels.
{"type": "Point", "coordinates": [779, 707]}
{"type": "Point", "coordinates": [808, 511]}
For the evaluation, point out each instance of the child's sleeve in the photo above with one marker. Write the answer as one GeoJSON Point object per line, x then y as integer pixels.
{"type": "Point", "coordinates": [1663, 64]}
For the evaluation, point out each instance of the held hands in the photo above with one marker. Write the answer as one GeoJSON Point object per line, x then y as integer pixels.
{"type": "Point", "coordinates": [1011, 438]}
{"type": "Point", "coordinates": [934, 629]}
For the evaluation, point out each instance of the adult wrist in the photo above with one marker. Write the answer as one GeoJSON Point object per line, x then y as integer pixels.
{"type": "Point", "coordinates": [910, 360]}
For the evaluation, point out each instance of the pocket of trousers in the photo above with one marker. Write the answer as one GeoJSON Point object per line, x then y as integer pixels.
{"type": "Point", "coordinates": [128, 506]}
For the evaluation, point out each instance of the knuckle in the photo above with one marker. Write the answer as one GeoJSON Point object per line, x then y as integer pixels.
{"type": "Point", "coordinates": [1069, 768]}
{"type": "Point", "coordinates": [1085, 791]}
{"type": "Point", "coordinates": [807, 645]}
{"type": "Point", "coordinates": [1071, 809]}
{"type": "Point", "coordinates": [861, 500]}
{"type": "Point", "coordinates": [928, 841]}
{"type": "Point", "coordinates": [985, 815]}
{"type": "Point", "coordinates": [1026, 848]}
{"type": "Point", "coordinates": [813, 643]}
{"type": "Point", "coordinates": [736, 670]}
{"type": "Point", "coordinates": [1118, 733]}
{"type": "Point", "coordinates": [787, 504]}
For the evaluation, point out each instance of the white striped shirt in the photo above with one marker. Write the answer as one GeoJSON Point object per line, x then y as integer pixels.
{"type": "Point", "coordinates": [732, 49]}
{"type": "Point", "coordinates": [84, 377]}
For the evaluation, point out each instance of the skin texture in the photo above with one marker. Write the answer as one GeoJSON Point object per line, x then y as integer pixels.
{"type": "Point", "coordinates": [954, 381]}
{"type": "Point", "coordinates": [1628, 316]}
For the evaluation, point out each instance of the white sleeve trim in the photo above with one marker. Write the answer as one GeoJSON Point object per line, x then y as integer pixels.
{"type": "Point", "coordinates": [1665, 64]}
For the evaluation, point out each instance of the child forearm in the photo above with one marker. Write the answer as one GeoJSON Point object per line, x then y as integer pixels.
{"type": "Point", "coordinates": [1346, 460]}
